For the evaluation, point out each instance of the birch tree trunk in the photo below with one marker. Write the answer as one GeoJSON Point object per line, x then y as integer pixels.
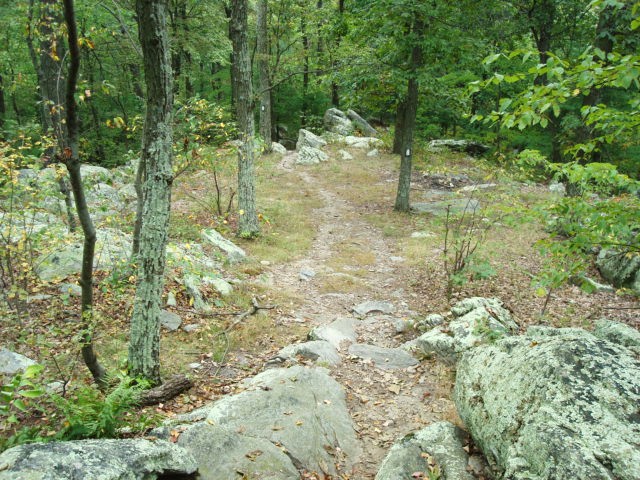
{"type": "Point", "coordinates": [144, 346]}
{"type": "Point", "coordinates": [265, 81]}
{"type": "Point", "coordinates": [248, 219]}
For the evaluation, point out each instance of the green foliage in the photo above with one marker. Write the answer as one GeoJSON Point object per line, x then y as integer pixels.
{"type": "Point", "coordinates": [16, 394]}
{"type": "Point", "coordinates": [483, 328]}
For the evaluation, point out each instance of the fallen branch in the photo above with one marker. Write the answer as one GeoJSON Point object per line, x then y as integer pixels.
{"type": "Point", "coordinates": [255, 308]}
{"type": "Point", "coordinates": [168, 390]}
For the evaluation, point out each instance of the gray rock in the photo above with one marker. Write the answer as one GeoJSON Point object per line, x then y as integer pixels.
{"type": "Point", "coordinates": [361, 124]}
{"type": "Point", "coordinates": [430, 321]}
{"type": "Point", "coordinates": [367, 307]}
{"type": "Point", "coordinates": [403, 325]}
{"type": "Point", "coordinates": [456, 206]}
{"type": "Point", "coordinates": [306, 274]}
{"type": "Point", "coordinates": [308, 139]}
{"type": "Point", "coordinates": [128, 192]}
{"type": "Point", "coordinates": [12, 362]}
{"type": "Point", "coordinates": [112, 250]}
{"type": "Point", "coordinates": [310, 156]}
{"type": "Point", "coordinates": [338, 331]}
{"type": "Point", "coordinates": [92, 174]}
{"type": "Point", "coordinates": [194, 285]}
{"type": "Point", "coordinates": [96, 460]}
{"type": "Point", "coordinates": [373, 153]}
{"type": "Point", "coordinates": [443, 441]}
{"type": "Point", "coordinates": [622, 269]}
{"type": "Point", "coordinates": [230, 249]}
{"type": "Point", "coordinates": [278, 148]}
{"type": "Point", "coordinates": [191, 258]}
{"type": "Point", "coordinates": [592, 285]}
{"type": "Point", "coordinates": [222, 453]}
{"type": "Point", "coordinates": [467, 305]}
{"type": "Point", "coordinates": [70, 289]}
{"type": "Point", "coordinates": [221, 286]}
{"type": "Point", "coordinates": [384, 358]}
{"type": "Point", "coordinates": [170, 320]}
{"type": "Point", "coordinates": [554, 404]}
{"type": "Point", "coordinates": [193, 327]}
{"type": "Point", "coordinates": [618, 333]}
{"type": "Point", "coordinates": [468, 146]}
{"type": "Point", "coordinates": [337, 122]}
{"type": "Point", "coordinates": [344, 155]}
{"type": "Point", "coordinates": [435, 344]}
{"type": "Point", "coordinates": [318, 351]}
{"type": "Point", "coordinates": [302, 409]}
{"type": "Point", "coordinates": [363, 142]}
{"type": "Point", "coordinates": [171, 300]}
{"type": "Point", "coordinates": [479, 186]}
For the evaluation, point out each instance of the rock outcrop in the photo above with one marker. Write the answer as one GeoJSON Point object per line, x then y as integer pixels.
{"type": "Point", "coordinates": [300, 412]}
{"type": "Point", "coordinates": [468, 146]}
{"type": "Point", "coordinates": [554, 404]}
{"type": "Point", "coordinates": [622, 269]}
{"type": "Point", "coordinates": [336, 121]}
{"type": "Point", "coordinates": [97, 460]}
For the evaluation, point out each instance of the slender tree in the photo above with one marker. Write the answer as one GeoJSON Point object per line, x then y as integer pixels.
{"type": "Point", "coordinates": [70, 157]}
{"type": "Point", "coordinates": [263, 67]}
{"type": "Point", "coordinates": [248, 219]}
{"type": "Point", "coordinates": [144, 346]}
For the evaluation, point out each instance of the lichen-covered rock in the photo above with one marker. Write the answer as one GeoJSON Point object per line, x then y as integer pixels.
{"type": "Point", "coordinates": [443, 441]}
{"type": "Point", "coordinates": [618, 333]}
{"type": "Point", "coordinates": [130, 459]}
{"type": "Point", "coordinates": [301, 409]}
{"type": "Point", "coordinates": [233, 252]}
{"type": "Point", "coordinates": [477, 320]}
{"type": "Point", "coordinates": [344, 155]}
{"type": "Point", "coordinates": [361, 124]}
{"type": "Point", "coordinates": [363, 142]}
{"type": "Point", "coordinates": [553, 404]}
{"type": "Point", "coordinates": [311, 156]}
{"type": "Point", "coordinates": [383, 358]}
{"type": "Point", "coordinates": [278, 148]}
{"type": "Point", "coordinates": [468, 146]}
{"type": "Point", "coordinates": [309, 139]}
{"type": "Point", "coordinates": [622, 269]}
{"type": "Point", "coordinates": [455, 206]}
{"type": "Point", "coordinates": [337, 122]}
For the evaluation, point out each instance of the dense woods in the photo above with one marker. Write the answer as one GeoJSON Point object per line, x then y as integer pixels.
{"type": "Point", "coordinates": [160, 91]}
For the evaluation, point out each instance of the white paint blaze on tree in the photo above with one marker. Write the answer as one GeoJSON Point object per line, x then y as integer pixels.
{"type": "Point", "coordinates": [144, 346]}
{"type": "Point", "coordinates": [248, 219]}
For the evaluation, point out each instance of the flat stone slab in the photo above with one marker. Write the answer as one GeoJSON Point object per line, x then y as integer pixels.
{"type": "Point", "coordinates": [365, 308]}
{"type": "Point", "coordinates": [338, 331]}
{"type": "Point", "coordinates": [303, 410]}
{"type": "Point", "coordinates": [384, 358]}
{"type": "Point", "coordinates": [96, 460]}
{"type": "Point", "coordinates": [318, 351]}
{"type": "Point", "coordinates": [169, 320]}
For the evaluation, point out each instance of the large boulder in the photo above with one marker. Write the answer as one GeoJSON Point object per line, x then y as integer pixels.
{"type": "Point", "coordinates": [455, 206]}
{"type": "Point", "coordinates": [441, 442]}
{"type": "Point", "coordinates": [12, 362]}
{"type": "Point", "coordinates": [97, 460]}
{"type": "Point", "coordinates": [363, 142]}
{"type": "Point", "coordinates": [622, 269]}
{"type": "Point", "coordinates": [301, 410]}
{"type": "Point", "coordinates": [361, 124]}
{"type": "Point", "coordinates": [337, 122]}
{"type": "Point", "coordinates": [553, 404]}
{"type": "Point", "coordinates": [309, 139]}
{"type": "Point", "coordinates": [311, 156]}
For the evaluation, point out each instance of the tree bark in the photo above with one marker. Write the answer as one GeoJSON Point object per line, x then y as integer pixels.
{"type": "Point", "coordinates": [409, 122]}
{"type": "Point", "coordinates": [248, 219]}
{"type": "Point", "coordinates": [265, 80]}
{"type": "Point", "coordinates": [170, 389]}
{"type": "Point", "coordinates": [69, 156]}
{"type": "Point", "coordinates": [144, 345]}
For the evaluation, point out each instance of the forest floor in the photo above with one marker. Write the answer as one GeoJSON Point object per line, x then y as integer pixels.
{"type": "Point", "coordinates": [359, 249]}
{"type": "Point", "coordinates": [336, 221]}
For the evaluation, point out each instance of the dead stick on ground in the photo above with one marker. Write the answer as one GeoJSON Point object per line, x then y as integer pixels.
{"type": "Point", "coordinates": [255, 308]}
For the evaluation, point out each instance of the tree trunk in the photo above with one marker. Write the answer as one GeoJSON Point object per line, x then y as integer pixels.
{"type": "Point", "coordinates": [265, 81]}
{"type": "Point", "coordinates": [144, 345]}
{"type": "Point", "coordinates": [69, 155]}
{"type": "Point", "coordinates": [409, 122]}
{"type": "Point", "coordinates": [248, 220]}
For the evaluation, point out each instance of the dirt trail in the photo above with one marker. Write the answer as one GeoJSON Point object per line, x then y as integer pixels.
{"type": "Point", "coordinates": [385, 404]}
